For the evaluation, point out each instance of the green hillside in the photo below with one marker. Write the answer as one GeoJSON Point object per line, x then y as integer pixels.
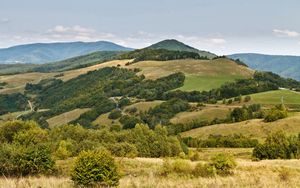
{"type": "Point", "coordinates": [174, 45]}
{"type": "Point", "coordinates": [64, 65]}
{"type": "Point", "coordinates": [276, 97]}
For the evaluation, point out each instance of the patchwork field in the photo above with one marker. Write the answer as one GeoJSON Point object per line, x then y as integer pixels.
{"type": "Point", "coordinates": [254, 128]}
{"type": "Point", "coordinates": [200, 74]}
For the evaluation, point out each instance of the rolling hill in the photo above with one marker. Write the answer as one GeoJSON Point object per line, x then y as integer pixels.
{"type": "Point", "coordinates": [286, 66]}
{"type": "Point", "coordinates": [174, 45]}
{"type": "Point", "coordinates": [40, 53]}
{"type": "Point", "coordinates": [255, 128]}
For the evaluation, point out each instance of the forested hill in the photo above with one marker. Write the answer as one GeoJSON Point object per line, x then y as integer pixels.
{"type": "Point", "coordinates": [174, 45]}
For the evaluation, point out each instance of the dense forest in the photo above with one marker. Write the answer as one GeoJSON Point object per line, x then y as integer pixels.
{"type": "Point", "coordinates": [159, 55]}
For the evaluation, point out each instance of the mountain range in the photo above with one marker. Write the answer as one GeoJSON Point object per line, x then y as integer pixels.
{"type": "Point", "coordinates": [40, 53]}
{"type": "Point", "coordinates": [64, 56]}
{"type": "Point", "coordinates": [286, 66]}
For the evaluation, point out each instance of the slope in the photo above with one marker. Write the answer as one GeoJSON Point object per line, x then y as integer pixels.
{"type": "Point", "coordinates": [253, 128]}
{"type": "Point", "coordinates": [200, 74]}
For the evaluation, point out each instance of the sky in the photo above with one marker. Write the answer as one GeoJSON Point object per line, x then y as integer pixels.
{"type": "Point", "coordinates": [220, 26]}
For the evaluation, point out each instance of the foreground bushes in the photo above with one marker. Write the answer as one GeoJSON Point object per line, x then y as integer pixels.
{"type": "Point", "coordinates": [95, 168]}
{"type": "Point", "coordinates": [221, 164]}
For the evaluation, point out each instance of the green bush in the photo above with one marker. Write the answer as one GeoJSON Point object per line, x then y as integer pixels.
{"type": "Point", "coordinates": [115, 114]}
{"type": "Point", "coordinates": [275, 114]}
{"type": "Point", "coordinates": [16, 160]}
{"type": "Point", "coordinates": [278, 146]}
{"type": "Point", "coordinates": [93, 168]}
{"type": "Point", "coordinates": [223, 164]}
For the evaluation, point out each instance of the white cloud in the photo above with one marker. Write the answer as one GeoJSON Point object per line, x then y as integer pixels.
{"type": "Point", "coordinates": [4, 20]}
{"type": "Point", "coordinates": [285, 33]}
{"type": "Point", "coordinates": [76, 32]}
{"type": "Point", "coordinates": [217, 41]}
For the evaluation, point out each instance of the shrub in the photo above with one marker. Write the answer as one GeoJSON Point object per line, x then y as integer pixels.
{"type": "Point", "coordinates": [181, 166]}
{"type": "Point", "coordinates": [63, 150]}
{"type": "Point", "coordinates": [223, 164]}
{"type": "Point", "coordinates": [115, 114]}
{"type": "Point", "coordinates": [247, 98]}
{"type": "Point", "coordinates": [275, 114]}
{"type": "Point", "coordinates": [16, 160]}
{"type": "Point", "coordinates": [94, 168]}
{"type": "Point", "coordinates": [204, 170]}
{"type": "Point", "coordinates": [194, 156]}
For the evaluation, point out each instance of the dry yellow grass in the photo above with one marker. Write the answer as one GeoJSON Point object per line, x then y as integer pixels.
{"type": "Point", "coordinates": [208, 113]}
{"type": "Point", "coordinates": [145, 173]}
{"type": "Point", "coordinates": [74, 73]}
{"type": "Point", "coordinates": [254, 128]}
{"type": "Point", "coordinates": [157, 69]}
{"type": "Point", "coordinates": [16, 83]}
{"type": "Point", "coordinates": [66, 117]}
{"type": "Point", "coordinates": [144, 106]}
{"type": "Point", "coordinates": [104, 120]}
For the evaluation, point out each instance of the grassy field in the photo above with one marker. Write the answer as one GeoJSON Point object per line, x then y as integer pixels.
{"type": "Point", "coordinates": [206, 83]}
{"type": "Point", "coordinates": [104, 120]}
{"type": "Point", "coordinates": [201, 74]}
{"type": "Point", "coordinates": [208, 113]}
{"type": "Point", "coordinates": [274, 97]}
{"type": "Point", "coordinates": [146, 172]}
{"type": "Point", "coordinates": [143, 106]}
{"type": "Point", "coordinates": [16, 83]}
{"type": "Point", "coordinates": [254, 128]}
{"type": "Point", "coordinates": [66, 117]}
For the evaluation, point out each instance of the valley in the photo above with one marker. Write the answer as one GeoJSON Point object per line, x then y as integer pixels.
{"type": "Point", "coordinates": [163, 116]}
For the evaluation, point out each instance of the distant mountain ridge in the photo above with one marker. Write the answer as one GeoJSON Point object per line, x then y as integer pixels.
{"type": "Point", "coordinates": [286, 66]}
{"type": "Point", "coordinates": [40, 53]}
{"type": "Point", "coordinates": [174, 45]}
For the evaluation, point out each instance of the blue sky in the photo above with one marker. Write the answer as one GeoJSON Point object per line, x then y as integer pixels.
{"type": "Point", "coordinates": [220, 26]}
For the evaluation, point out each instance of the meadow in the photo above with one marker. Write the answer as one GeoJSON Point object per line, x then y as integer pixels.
{"type": "Point", "coordinates": [146, 172]}
{"type": "Point", "coordinates": [255, 128]}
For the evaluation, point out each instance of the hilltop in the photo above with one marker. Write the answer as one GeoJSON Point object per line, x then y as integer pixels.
{"type": "Point", "coordinates": [286, 66]}
{"type": "Point", "coordinates": [39, 53]}
{"type": "Point", "coordinates": [174, 45]}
